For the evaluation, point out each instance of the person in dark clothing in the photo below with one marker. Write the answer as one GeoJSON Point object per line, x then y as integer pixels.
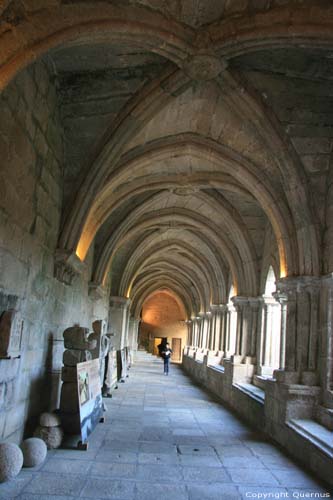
{"type": "Point", "coordinates": [166, 355]}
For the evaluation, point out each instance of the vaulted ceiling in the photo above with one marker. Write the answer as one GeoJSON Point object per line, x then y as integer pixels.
{"type": "Point", "coordinates": [197, 137]}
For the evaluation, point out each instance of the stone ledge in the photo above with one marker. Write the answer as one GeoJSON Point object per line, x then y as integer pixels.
{"type": "Point", "coordinates": [317, 434]}
{"type": "Point", "coordinates": [217, 368]}
{"type": "Point", "coordinates": [252, 391]}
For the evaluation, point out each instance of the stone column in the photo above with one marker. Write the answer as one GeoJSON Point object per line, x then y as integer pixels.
{"type": "Point", "coordinates": [215, 328]}
{"type": "Point", "coordinates": [223, 337]}
{"type": "Point", "coordinates": [247, 321]}
{"type": "Point", "coordinates": [326, 345]}
{"type": "Point", "coordinates": [231, 318]}
{"type": "Point", "coordinates": [205, 330]}
{"type": "Point", "coordinates": [196, 331]}
{"type": "Point", "coordinates": [118, 324]}
{"type": "Point", "coordinates": [293, 393]}
{"type": "Point", "coordinates": [201, 331]}
{"type": "Point", "coordinates": [299, 299]}
{"type": "Point", "coordinates": [268, 343]}
{"type": "Point", "coordinates": [133, 330]}
{"type": "Point", "coordinates": [210, 333]}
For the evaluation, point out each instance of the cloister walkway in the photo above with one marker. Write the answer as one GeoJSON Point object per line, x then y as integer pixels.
{"type": "Point", "coordinates": [165, 438]}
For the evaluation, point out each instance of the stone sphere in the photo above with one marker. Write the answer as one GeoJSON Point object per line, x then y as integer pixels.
{"type": "Point", "coordinates": [52, 436]}
{"type": "Point", "coordinates": [49, 420]}
{"type": "Point", "coordinates": [34, 452]}
{"type": "Point", "coordinates": [11, 461]}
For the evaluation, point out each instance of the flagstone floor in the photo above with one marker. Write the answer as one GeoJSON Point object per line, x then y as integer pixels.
{"type": "Point", "coordinates": [165, 439]}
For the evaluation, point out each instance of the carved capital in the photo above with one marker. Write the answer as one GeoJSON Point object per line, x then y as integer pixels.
{"type": "Point", "coordinates": [67, 266]}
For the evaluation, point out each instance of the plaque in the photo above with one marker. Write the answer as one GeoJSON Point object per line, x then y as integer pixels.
{"type": "Point", "coordinates": [90, 397]}
{"type": "Point", "coordinates": [11, 326]}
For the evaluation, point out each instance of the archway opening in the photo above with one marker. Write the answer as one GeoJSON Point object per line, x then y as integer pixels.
{"type": "Point", "coordinates": [163, 320]}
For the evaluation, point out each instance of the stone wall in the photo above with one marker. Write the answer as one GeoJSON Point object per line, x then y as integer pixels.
{"type": "Point", "coordinates": [31, 187]}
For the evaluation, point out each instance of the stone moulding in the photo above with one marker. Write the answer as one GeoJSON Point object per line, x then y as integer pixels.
{"type": "Point", "coordinates": [67, 266]}
{"type": "Point", "coordinates": [96, 291]}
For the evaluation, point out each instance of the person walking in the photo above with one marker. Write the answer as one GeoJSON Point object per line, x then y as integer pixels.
{"type": "Point", "coordinates": [166, 355]}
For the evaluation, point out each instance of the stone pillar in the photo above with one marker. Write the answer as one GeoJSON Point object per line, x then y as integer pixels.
{"type": "Point", "coordinates": [231, 322]}
{"type": "Point", "coordinates": [325, 411]}
{"type": "Point", "coordinates": [268, 340]}
{"type": "Point", "coordinates": [133, 331]}
{"type": "Point", "coordinates": [195, 332]}
{"type": "Point", "coordinates": [293, 393]}
{"type": "Point", "coordinates": [210, 332]}
{"type": "Point", "coordinates": [247, 321]}
{"type": "Point", "coordinates": [118, 324]}
{"type": "Point", "coordinates": [299, 299]}
{"type": "Point", "coordinates": [205, 330]}
{"type": "Point", "coordinates": [200, 331]}
{"type": "Point", "coordinates": [223, 338]}
{"type": "Point", "coordinates": [215, 328]}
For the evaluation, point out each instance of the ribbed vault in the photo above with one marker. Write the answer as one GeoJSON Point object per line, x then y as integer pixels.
{"type": "Point", "coordinates": [181, 168]}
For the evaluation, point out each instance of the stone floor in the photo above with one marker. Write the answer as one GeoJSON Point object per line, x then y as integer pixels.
{"type": "Point", "coordinates": [165, 438]}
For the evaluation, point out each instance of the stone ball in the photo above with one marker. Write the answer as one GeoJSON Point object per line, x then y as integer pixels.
{"type": "Point", "coordinates": [11, 461]}
{"type": "Point", "coordinates": [52, 436]}
{"type": "Point", "coordinates": [49, 420]}
{"type": "Point", "coordinates": [34, 452]}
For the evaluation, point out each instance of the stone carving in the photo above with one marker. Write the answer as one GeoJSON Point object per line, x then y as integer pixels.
{"type": "Point", "coordinates": [80, 346]}
{"type": "Point", "coordinates": [102, 345]}
{"type": "Point", "coordinates": [76, 337]}
{"type": "Point", "coordinates": [34, 452]}
{"type": "Point", "coordinates": [203, 67]}
{"type": "Point", "coordinates": [49, 430]}
{"type": "Point", "coordinates": [11, 461]}
{"type": "Point", "coordinates": [10, 334]}
{"type": "Point", "coordinates": [67, 266]}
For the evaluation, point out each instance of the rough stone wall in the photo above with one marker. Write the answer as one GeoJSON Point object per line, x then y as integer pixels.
{"type": "Point", "coordinates": [31, 186]}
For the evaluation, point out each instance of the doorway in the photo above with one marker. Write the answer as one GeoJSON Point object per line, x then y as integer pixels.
{"type": "Point", "coordinates": [157, 342]}
{"type": "Point", "coordinates": [176, 350]}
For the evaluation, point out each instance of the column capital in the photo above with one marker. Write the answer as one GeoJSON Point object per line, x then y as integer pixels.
{"type": "Point", "coordinates": [239, 300]}
{"type": "Point", "coordinates": [327, 280]}
{"type": "Point", "coordinates": [270, 300]}
{"type": "Point", "coordinates": [293, 284]}
{"type": "Point", "coordinates": [119, 302]}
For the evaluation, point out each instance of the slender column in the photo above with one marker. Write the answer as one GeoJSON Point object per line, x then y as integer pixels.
{"type": "Point", "coordinates": [205, 330]}
{"type": "Point", "coordinates": [216, 332]}
{"type": "Point", "coordinates": [326, 340]}
{"type": "Point", "coordinates": [200, 326]}
{"type": "Point", "coordinates": [223, 325]}
{"type": "Point", "coordinates": [268, 341]}
{"type": "Point", "coordinates": [231, 330]}
{"type": "Point", "coordinates": [247, 314]}
{"type": "Point", "coordinates": [118, 324]}
{"type": "Point", "coordinates": [189, 340]}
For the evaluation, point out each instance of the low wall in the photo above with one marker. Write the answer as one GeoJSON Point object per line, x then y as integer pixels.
{"type": "Point", "coordinates": [273, 410]}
